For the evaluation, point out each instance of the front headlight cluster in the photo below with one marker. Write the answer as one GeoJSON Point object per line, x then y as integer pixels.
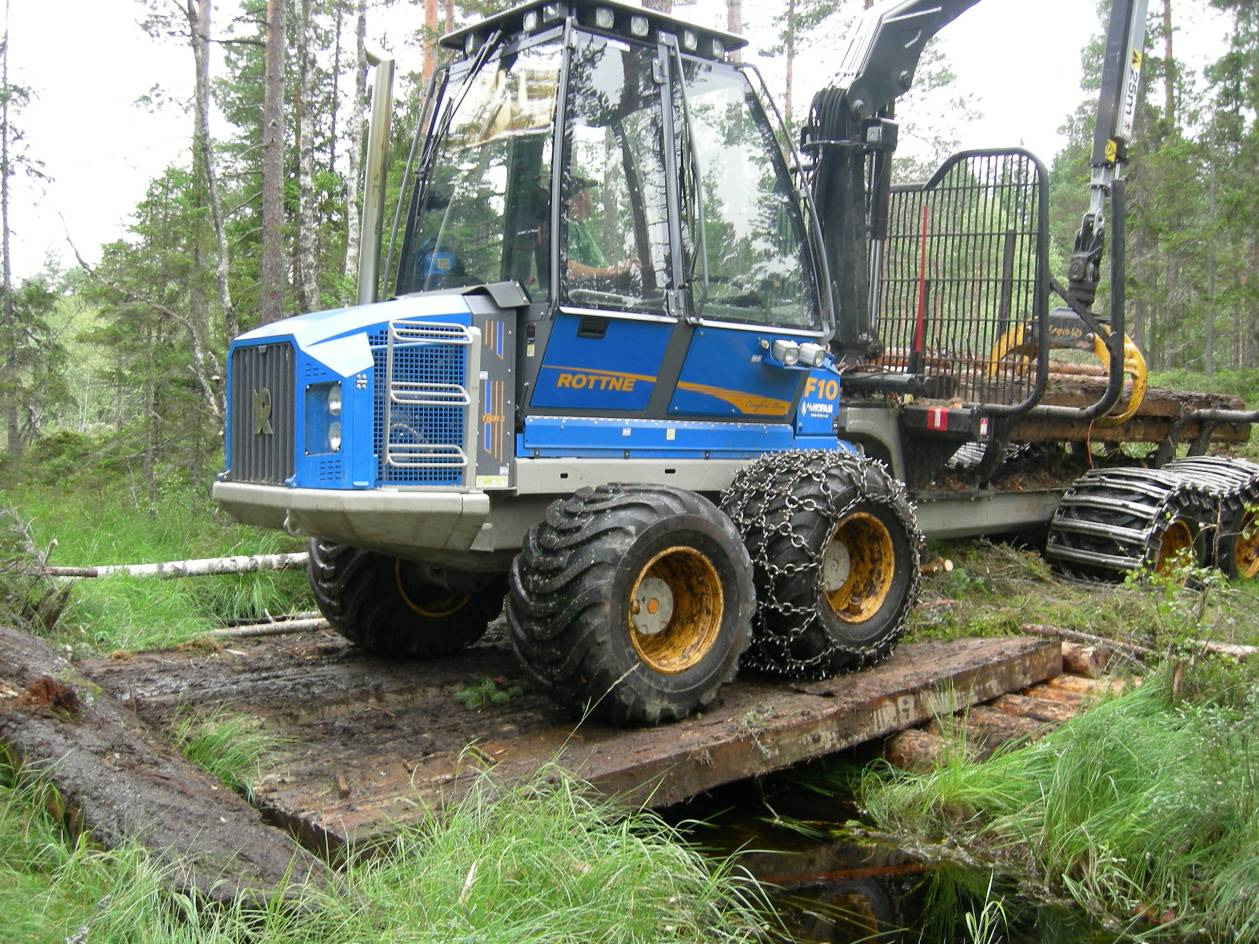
{"type": "Point", "coordinates": [323, 418]}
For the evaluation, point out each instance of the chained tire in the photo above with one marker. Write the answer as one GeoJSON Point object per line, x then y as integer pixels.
{"type": "Point", "coordinates": [1115, 521]}
{"type": "Point", "coordinates": [835, 550]}
{"type": "Point", "coordinates": [381, 604]}
{"type": "Point", "coordinates": [632, 602]}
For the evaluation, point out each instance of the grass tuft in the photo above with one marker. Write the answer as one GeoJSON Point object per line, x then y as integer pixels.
{"type": "Point", "coordinates": [545, 862]}
{"type": "Point", "coordinates": [1144, 810]}
{"type": "Point", "coordinates": [228, 746]}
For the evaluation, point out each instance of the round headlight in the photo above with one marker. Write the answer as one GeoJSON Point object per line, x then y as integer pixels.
{"type": "Point", "coordinates": [334, 437]}
{"type": "Point", "coordinates": [334, 400]}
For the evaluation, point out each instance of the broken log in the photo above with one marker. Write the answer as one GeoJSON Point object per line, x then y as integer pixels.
{"type": "Point", "coordinates": [121, 785]}
{"type": "Point", "coordinates": [201, 567]}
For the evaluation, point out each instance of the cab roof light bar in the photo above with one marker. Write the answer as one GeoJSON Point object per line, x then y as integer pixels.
{"type": "Point", "coordinates": [607, 16]}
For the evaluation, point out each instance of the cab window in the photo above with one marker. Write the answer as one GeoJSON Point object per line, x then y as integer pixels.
{"type": "Point", "coordinates": [758, 266]}
{"type": "Point", "coordinates": [614, 234]}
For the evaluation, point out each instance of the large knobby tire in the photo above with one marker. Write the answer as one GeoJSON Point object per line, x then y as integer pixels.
{"type": "Point", "coordinates": [835, 548]}
{"type": "Point", "coordinates": [381, 603]}
{"type": "Point", "coordinates": [633, 602]}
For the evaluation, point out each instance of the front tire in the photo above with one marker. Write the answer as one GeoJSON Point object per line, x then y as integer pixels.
{"type": "Point", "coordinates": [382, 604]}
{"type": "Point", "coordinates": [634, 600]}
{"type": "Point", "coordinates": [835, 548]}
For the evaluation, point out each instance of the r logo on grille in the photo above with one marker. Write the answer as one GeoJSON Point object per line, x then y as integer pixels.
{"type": "Point", "coordinates": [262, 412]}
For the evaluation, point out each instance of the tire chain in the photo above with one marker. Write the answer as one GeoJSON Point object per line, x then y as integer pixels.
{"type": "Point", "coordinates": [749, 501]}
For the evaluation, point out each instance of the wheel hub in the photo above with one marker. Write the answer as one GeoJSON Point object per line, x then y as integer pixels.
{"type": "Point", "coordinates": [1175, 541]}
{"type": "Point", "coordinates": [836, 566]}
{"type": "Point", "coordinates": [652, 607]}
{"type": "Point", "coordinates": [1247, 548]}
{"type": "Point", "coordinates": [857, 567]}
{"type": "Point", "coordinates": [675, 610]}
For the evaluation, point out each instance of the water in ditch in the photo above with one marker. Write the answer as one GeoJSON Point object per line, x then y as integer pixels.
{"type": "Point", "coordinates": [828, 887]}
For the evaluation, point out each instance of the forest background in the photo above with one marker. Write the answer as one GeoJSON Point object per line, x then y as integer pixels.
{"type": "Point", "coordinates": [113, 368]}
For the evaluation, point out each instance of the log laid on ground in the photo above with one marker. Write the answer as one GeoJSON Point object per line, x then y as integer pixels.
{"type": "Point", "coordinates": [1088, 639]}
{"type": "Point", "coordinates": [916, 750]}
{"type": "Point", "coordinates": [1038, 709]}
{"type": "Point", "coordinates": [1089, 661]}
{"type": "Point", "coordinates": [201, 567]}
{"type": "Point", "coordinates": [275, 628]}
{"type": "Point", "coordinates": [121, 784]}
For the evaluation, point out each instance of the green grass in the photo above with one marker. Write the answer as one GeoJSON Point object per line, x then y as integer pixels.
{"type": "Point", "coordinates": [93, 526]}
{"type": "Point", "coordinates": [994, 589]}
{"type": "Point", "coordinates": [540, 863]}
{"type": "Point", "coordinates": [1144, 810]}
{"type": "Point", "coordinates": [228, 746]}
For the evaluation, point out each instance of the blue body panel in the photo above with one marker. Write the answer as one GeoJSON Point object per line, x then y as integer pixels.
{"type": "Point", "coordinates": [588, 437]}
{"type": "Point", "coordinates": [724, 375]}
{"type": "Point", "coordinates": [617, 371]}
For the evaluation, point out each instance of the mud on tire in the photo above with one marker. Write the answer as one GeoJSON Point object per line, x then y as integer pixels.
{"type": "Point", "coordinates": [380, 603]}
{"type": "Point", "coordinates": [835, 548]}
{"type": "Point", "coordinates": [633, 600]}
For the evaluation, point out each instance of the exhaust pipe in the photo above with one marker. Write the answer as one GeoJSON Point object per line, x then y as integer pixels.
{"type": "Point", "coordinates": [375, 179]}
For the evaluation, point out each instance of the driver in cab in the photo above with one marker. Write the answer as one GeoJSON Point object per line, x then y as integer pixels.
{"type": "Point", "coordinates": [586, 260]}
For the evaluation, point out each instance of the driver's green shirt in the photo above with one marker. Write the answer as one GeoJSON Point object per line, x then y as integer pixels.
{"type": "Point", "coordinates": [582, 246]}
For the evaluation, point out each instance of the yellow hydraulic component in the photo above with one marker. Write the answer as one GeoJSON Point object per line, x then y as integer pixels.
{"type": "Point", "coordinates": [1134, 367]}
{"type": "Point", "coordinates": [1015, 342]}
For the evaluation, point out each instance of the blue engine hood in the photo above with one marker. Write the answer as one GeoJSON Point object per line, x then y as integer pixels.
{"type": "Point", "coordinates": [337, 337]}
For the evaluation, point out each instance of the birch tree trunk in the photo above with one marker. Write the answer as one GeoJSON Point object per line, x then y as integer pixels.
{"type": "Point", "coordinates": [10, 322]}
{"type": "Point", "coordinates": [272, 276]}
{"type": "Point", "coordinates": [734, 24]}
{"type": "Point", "coordinates": [358, 132]}
{"type": "Point", "coordinates": [307, 290]}
{"type": "Point", "coordinates": [199, 37]}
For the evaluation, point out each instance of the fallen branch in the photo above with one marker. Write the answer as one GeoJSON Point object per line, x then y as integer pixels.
{"type": "Point", "coordinates": [203, 567]}
{"type": "Point", "coordinates": [277, 628]}
{"type": "Point", "coordinates": [1088, 639]}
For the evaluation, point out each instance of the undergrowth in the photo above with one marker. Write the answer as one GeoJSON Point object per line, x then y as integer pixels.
{"type": "Point", "coordinates": [1144, 810]}
{"type": "Point", "coordinates": [544, 862]}
{"type": "Point", "coordinates": [81, 527]}
{"type": "Point", "coordinates": [995, 589]}
{"type": "Point", "coordinates": [229, 746]}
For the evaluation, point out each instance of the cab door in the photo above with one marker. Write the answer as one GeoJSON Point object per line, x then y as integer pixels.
{"type": "Point", "coordinates": [748, 272]}
{"type": "Point", "coordinates": [607, 341]}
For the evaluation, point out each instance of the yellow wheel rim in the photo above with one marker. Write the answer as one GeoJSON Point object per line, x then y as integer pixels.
{"type": "Point", "coordinates": [676, 605]}
{"type": "Point", "coordinates": [858, 565]}
{"type": "Point", "coordinates": [1246, 552]}
{"type": "Point", "coordinates": [1177, 538]}
{"type": "Point", "coordinates": [442, 604]}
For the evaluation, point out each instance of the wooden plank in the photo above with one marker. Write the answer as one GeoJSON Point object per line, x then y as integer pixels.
{"type": "Point", "coordinates": [122, 785]}
{"type": "Point", "coordinates": [376, 744]}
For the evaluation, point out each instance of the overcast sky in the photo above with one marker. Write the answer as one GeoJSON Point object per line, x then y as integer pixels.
{"type": "Point", "coordinates": [88, 63]}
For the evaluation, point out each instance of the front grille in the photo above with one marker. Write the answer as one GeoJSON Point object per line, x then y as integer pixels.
{"type": "Point", "coordinates": [262, 414]}
{"type": "Point", "coordinates": [426, 402]}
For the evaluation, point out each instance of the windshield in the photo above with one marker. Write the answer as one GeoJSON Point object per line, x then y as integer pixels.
{"type": "Point", "coordinates": [486, 200]}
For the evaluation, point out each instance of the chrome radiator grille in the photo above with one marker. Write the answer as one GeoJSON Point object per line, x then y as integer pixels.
{"type": "Point", "coordinates": [262, 414]}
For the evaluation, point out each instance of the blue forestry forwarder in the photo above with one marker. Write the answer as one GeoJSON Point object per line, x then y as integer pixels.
{"type": "Point", "coordinates": [689, 425]}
